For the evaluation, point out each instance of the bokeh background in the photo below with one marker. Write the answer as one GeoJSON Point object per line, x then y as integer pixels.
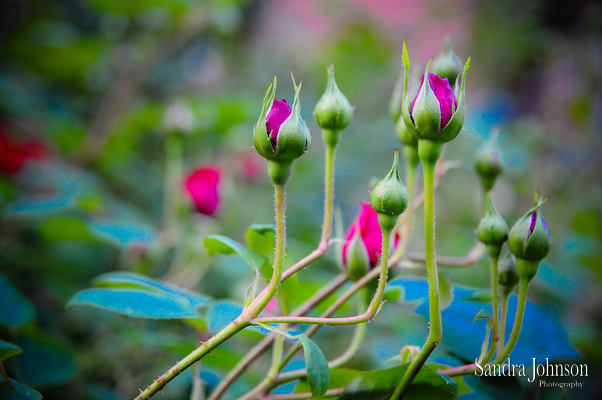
{"type": "Point", "coordinates": [84, 89]}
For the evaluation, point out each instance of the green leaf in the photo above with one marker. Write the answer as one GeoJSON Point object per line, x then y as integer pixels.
{"type": "Point", "coordinates": [216, 244]}
{"type": "Point", "coordinates": [123, 280]}
{"type": "Point", "coordinates": [380, 385]}
{"type": "Point", "coordinates": [262, 240]}
{"type": "Point", "coordinates": [318, 373]}
{"type": "Point", "coordinates": [15, 309]}
{"type": "Point", "coordinates": [446, 290]}
{"type": "Point", "coordinates": [23, 392]}
{"type": "Point", "coordinates": [136, 303]}
{"type": "Point", "coordinates": [8, 350]}
{"type": "Point", "coordinates": [64, 228]}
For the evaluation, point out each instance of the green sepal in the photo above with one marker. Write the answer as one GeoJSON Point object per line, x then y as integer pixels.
{"type": "Point", "coordinates": [356, 257]}
{"type": "Point", "coordinates": [527, 245]}
{"type": "Point", "coordinates": [427, 110]}
{"type": "Point", "coordinates": [261, 137]}
{"type": "Point", "coordinates": [454, 126]}
{"type": "Point", "coordinates": [293, 137]}
{"type": "Point", "coordinates": [492, 229]}
{"type": "Point", "coordinates": [390, 196]}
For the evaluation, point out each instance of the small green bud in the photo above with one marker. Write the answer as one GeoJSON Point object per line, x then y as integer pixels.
{"type": "Point", "coordinates": [507, 275]}
{"type": "Point", "coordinates": [492, 229]}
{"type": "Point", "coordinates": [356, 257]}
{"type": "Point", "coordinates": [333, 110]}
{"type": "Point", "coordinates": [488, 165]}
{"type": "Point", "coordinates": [447, 64]}
{"type": "Point", "coordinates": [529, 240]}
{"type": "Point", "coordinates": [404, 135]}
{"type": "Point", "coordinates": [389, 198]}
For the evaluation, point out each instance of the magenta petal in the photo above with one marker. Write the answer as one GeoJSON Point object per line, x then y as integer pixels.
{"type": "Point", "coordinates": [279, 112]}
{"type": "Point", "coordinates": [446, 97]}
{"type": "Point", "coordinates": [367, 224]}
{"type": "Point", "coordinates": [414, 101]}
{"type": "Point", "coordinates": [202, 187]}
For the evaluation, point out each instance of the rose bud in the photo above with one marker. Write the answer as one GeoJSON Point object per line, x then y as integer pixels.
{"type": "Point", "coordinates": [15, 153]}
{"type": "Point", "coordinates": [203, 188]}
{"type": "Point", "coordinates": [178, 118]}
{"type": "Point", "coordinates": [447, 64]}
{"type": "Point", "coordinates": [488, 165]}
{"type": "Point", "coordinates": [280, 134]}
{"type": "Point", "coordinates": [363, 244]}
{"type": "Point", "coordinates": [529, 240]}
{"type": "Point", "coordinates": [492, 230]}
{"type": "Point", "coordinates": [507, 276]}
{"type": "Point", "coordinates": [333, 110]}
{"type": "Point", "coordinates": [436, 113]}
{"type": "Point", "coordinates": [389, 198]}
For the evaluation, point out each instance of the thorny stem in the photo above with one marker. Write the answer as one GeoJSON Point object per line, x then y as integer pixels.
{"type": "Point", "coordinates": [372, 310]}
{"type": "Point", "coordinates": [302, 396]}
{"type": "Point", "coordinates": [252, 311]}
{"type": "Point", "coordinates": [504, 313]}
{"type": "Point", "coordinates": [429, 152]}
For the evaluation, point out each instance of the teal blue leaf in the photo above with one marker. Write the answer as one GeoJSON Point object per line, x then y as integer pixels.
{"type": "Point", "coordinates": [122, 279]}
{"type": "Point", "coordinates": [23, 392]}
{"type": "Point", "coordinates": [122, 233]}
{"type": "Point", "coordinates": [15, 309]}
{"type": "Point", "coordinates": [136, 303]}
{"type": "Point", "coordinates": [8, 350]}
{"type": "Point", "coordinates": [44, 362]}
{"type": "Point", "coordinates": [221, 313]}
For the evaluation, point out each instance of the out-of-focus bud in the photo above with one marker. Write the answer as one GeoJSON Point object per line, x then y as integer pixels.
{"type": "Point", "coordinates": [203, 188]}
{"type": "Point", "coordinates": [488, 165]}
{"type": "Point", "coordinates": [437, 112]}
{"type": "Point", "coordinates": [447, 64]}
{"type": "Point", "coordinates": [15, 153]}
{"type": "Point", "coordinates": [529, 241]}
{"type": "Point", "coordinates": [410, 144]}
{"type": "Point", "coordinates": [492, 230]}
{"type": "Point", "coordinates": [389, 198]}
{"type": "Point", "coordinates": [396, 98]}
{"type": "Point", "coordinates": [363, 243]}
{"type": "Point", "coordinates": [280, 135]}
{"type": "Point", "coordinates": [507, 275]}
{"type": "Point", "coordinates": [407, 353]}
{"type": "Point", "coordinates": [178, 118]}
{"type": "Point", "coordinates": [333, 110]}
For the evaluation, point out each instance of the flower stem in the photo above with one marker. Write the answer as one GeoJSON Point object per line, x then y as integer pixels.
{"type": "Point", "coordinates": [331, 139]}
{"type": "Point", "coordinates": [252, 311]}
{"type": "Point", "coordinates": [171, 190]}
{"type": "Point", "coordinates": [429, 152]}
{"type": "Point", "coordinates": [495, 254]}
{"type": "Point", "coordinates": [502, 327]}
{"type": "Point", "coordinates": [518, 322]}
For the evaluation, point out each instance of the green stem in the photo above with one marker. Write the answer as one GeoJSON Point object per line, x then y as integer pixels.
{"type": "Point", "coordinates": [171, 189]}
{"type": "Point", "coordinates": [429, 152]}
{"type": "Point", "coordinates": [252, 311]}
{"type": "Point", "coordinates": [276, 357]}
{"type": "Point", "coordinates": [504, 312]}
{"type": "Point", "coordinates": [331, 139]}
{"type": "Point", "coordinates": [518, 322]}
{"type": "Point", "coordinates": [495, 254]}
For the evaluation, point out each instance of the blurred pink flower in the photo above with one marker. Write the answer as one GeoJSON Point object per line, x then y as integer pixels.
{"type": "Point", "coordinates": [203, 188]}
{"type": "Point", "coordinates": [15, 153]}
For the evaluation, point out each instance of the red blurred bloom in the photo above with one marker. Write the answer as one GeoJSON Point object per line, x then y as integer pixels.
{"type": "Point", "coordinates": [202, 187]}
{"type": "Point", "coordinates": [367, 225]}
{"type": "Point", "coordinates": [15, 153]}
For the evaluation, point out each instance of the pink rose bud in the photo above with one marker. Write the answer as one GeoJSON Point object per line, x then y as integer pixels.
{"type": "Point", "coordinates": [443, 94]}
{"type": "Point", "coordinates": [279, 112]}
{"type": "Point", "coordinates": [15, 153]}
{"type": "Point", "coordinates": [202, 187]}
{"type": "Point", "coordinates": [363, 243]}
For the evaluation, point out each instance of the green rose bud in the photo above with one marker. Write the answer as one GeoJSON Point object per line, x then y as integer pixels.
{"type": "Point", "coordinates": [507, 275]}
{"type": "Point", "coordinates": [488, 165]}
{"type": "Point", "coordinates": [389, 198]}
{"type": "Point", "coordinates": [529, 241]}
{"type": "Point", "coordinates": [333, 110]}
{"type": "Point", "coordinates": [447, 64]}
{"type": "Point", "coordinates": [492, 230]}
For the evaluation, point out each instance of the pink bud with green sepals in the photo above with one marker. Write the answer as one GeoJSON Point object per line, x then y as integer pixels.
{"type": "Point", "coordinates": [363, 243]}
{"type": "Point", "coordinates": [530, 240]}
{"type": "Point", "coordinates": [437, 112]}
{"type": "Point", "coordinates": [333, 110]}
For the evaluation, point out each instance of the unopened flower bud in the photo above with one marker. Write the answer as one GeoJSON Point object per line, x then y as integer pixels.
{"type": "Point", "coordinates": [529, 241]}
{"type": "Point", "coordinates": [280, 133]}
{"type": "Point", "coordinates": [178, 118]}
{"type": "Point", "coordinates": [333, 110]}
{"type": "Point", "coordinates": [389, 198]}
{"type": "Point", "coordinates": [437, 112]}
{"type": "Point", "coordinates": [492, 230]}
{"type": "Point", "coordinates": [507, 275]}
{"type": "Point", "coordinates": [363, 244]}
{"type": "Point", "coordinates": [488, 165]}
{"type": "Point", "coordinates": [447, 64]}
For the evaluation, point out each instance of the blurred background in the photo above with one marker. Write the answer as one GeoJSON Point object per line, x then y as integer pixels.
{"type": "Point", "coordinates": [91, 89]}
